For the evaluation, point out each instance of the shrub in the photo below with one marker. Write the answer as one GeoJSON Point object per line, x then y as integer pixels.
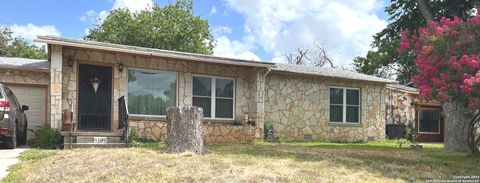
{"type": "Point", "coordinates": [47, 138]}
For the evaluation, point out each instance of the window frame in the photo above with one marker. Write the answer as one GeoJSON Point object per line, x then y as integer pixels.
{"type": "Point", "coordinates": [213, 95]}
{"type": "Point", "coordinates": [158, 72]}
{"type": "Point", "coordinates": [438, 123]}
{"type": "Point", "coordinates": [344, 105]}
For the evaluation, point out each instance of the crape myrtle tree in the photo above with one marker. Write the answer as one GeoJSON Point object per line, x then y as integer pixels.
{"type": "Point", "coordinates": [447, 54]}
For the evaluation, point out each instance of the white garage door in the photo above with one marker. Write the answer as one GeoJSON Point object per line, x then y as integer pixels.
{"type": "Point", "coordinates": [34, 98]}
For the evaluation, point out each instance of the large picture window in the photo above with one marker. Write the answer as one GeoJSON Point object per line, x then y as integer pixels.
{"type": "Point", "coordinates": [215, 95]}
{"type": "Point", "coordinates": [151, 92]}
{"type": "Point", "coordinates": [429, 120]}
{"type": "Point", "coordinates": [344, 105]}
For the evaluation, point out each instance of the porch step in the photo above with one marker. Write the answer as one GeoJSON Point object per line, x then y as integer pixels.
{"type": "Point", "coordinates": [94, 145]}
{"type": "Point", "coordinates": [89, 139]}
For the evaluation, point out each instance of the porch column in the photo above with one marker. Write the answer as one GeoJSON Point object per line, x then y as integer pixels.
{"type": "Point", "coordinates": [56, 87]}
{"type": "Point", "coordinates": [259, 98]}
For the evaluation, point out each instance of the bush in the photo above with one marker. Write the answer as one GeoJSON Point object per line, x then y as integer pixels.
{"type": "Point", "coordinates": [47, 138]}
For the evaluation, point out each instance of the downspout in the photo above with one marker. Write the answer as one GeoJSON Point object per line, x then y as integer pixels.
{"type": "Point", "coordinates": [266, 73]}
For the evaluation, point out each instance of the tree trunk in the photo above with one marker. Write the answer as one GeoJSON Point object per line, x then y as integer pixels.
{"type": "Point", "coordinates": [474, 134]}
{"type": "Point", "coordinates": [425, 10]}
{"type": "Point", "coordinates": [457, 120]}
{"type": "Point", "coordinates": [185, 129]}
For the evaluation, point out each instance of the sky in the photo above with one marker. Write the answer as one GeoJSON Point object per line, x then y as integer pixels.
{"type": "Point", "coordinates": [264, 30]}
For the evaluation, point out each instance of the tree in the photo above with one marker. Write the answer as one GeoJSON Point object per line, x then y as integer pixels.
{"type": "Point", "coordinates": [17, 47]}
{"type": "Point", "coordinates": [172, 27]}
{"type": "Point", "coordinates": [316, 56]}
{"type": "Point", "coordinates": [447, 58]}
{"type": "Point", "coordinates": [384, 60]}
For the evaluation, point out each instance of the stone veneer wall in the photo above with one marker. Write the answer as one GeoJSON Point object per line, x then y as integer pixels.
{"type": "Point", "coordinates": [299, 108]}
{"type": "Point", "coordinates": [213, 132]}
{"type": "Point", "coordinates": [399, 108]}
{"type": "Point", "coordinates": [245, 81]}
{"type": "Point", "coordinates": [23, 77]}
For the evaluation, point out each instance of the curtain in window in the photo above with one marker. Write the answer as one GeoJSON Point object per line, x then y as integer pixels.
{"type": "Point", "coordinates": [150, 92]}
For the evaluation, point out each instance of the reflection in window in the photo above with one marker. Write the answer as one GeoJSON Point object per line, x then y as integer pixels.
{"type": "Point", "coordinates": [151, 92]}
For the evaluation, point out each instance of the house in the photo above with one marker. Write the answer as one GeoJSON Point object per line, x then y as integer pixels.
{"type": "Point", "coordinates": [95, 81]}
{"type": "Point", "coordinates": [407, 110]}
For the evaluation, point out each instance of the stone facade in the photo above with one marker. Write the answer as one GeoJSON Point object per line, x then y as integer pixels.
{"type": "Point", "coordinates": [297, 104]}
{"type": "Point", "coordinates": [299, 108]}
{"type": "Point", "coordinates": [213, 132]}
{"type": "Point", "coordinates": [400, 107]}
{"type": "Point", "coordinates": [246, 91]}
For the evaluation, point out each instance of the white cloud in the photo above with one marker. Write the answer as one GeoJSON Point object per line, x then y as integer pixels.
{"type": "Point", "coordinates": [90, 16]}
{"type": "Point", "coordinates": [346, 27]}
{"type": "Point", "coordinates": [31, 31]}
{"type": "Point", "coordinates": [213, 10]}
{"type": "Point", "coordinates": [221, 30]}
{"type": "Point", "coordinates": [135, 6]}
{"type": "Point", "coordinates": [234, 48]}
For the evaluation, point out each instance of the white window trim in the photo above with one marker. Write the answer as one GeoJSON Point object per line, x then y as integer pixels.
{"type": "Point", "coordinates": [432, 109]}
{"type": "Point", "coordinates": [344, 105]}
{"type": "Point", "coordinates": [213, 95]}
{"type": "Point", "coordinates": [153, 71]}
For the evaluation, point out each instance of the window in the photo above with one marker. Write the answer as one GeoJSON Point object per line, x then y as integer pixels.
{"type": "Point", "coordinates": [215, 95]}
{"type": "Point", "coordinates": [151, 92]}
{"type": "Point", "coordinates": [344, 105]}
{"type": "Point", "coordinates": [429, 120]}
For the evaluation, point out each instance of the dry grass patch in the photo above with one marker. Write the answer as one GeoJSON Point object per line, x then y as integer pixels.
{"type": "Point", "coordinates": [306, 162]}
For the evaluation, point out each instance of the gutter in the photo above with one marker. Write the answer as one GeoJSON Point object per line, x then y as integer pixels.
{"type": "Point", "coordinates": [179, 55]}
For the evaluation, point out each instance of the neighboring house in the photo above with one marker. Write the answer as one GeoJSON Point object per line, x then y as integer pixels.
{"type": "Point", "coordinates": [405, 107]}
{"type": "Point", "coordinates": [304, 103]}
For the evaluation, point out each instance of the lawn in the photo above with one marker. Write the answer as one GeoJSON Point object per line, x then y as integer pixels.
{"type": "Point", "coordinates": [284, 162]}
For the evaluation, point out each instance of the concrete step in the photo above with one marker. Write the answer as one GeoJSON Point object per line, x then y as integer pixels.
{"type": "Point", "coordinates": [94, 145]}
{"type": "Point", "coordinates": [91, 139]}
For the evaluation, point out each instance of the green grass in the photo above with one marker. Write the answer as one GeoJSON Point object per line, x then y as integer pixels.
{"type": "Point", "coordinates": [258, 162]}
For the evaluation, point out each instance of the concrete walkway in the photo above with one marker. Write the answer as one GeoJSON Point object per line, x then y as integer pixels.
{"type": "Point", "coordinates": [9, 157]}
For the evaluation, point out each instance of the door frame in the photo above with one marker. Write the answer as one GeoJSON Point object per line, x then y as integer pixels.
{"type": "Point", "coordinates": [112, 100]}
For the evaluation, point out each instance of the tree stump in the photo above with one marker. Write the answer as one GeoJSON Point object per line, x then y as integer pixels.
{"type": "Point", "coordinates": [185, 129]}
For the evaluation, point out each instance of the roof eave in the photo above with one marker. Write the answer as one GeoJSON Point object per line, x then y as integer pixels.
{"type": "Point", "coordinates": [47, 40]}
{"type": "Point", "coordinates": [312, 74]}
{"type": "Point", "coordinates": [24, 68]}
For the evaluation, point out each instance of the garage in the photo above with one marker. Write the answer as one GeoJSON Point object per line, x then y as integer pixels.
{"type": "Point", "coordinates": [35, 98]}
{"type": "Point", "coordinates": [29, 80]}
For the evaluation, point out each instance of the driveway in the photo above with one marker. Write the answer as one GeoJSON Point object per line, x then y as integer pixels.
{"type": "Point", "coordinates": [9, 157]}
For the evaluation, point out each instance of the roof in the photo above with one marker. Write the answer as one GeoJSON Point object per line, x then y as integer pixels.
{"type": "Point", "coordinates": [24, 63]}
{"type": "Point", "coordinates": [288, 68]}
{"type": "Point", "coordinates": [148, 51]}
{"type": "Point", "coordinates": [329, 72]}
{"type": "Point", "coordinates": [403, 88]}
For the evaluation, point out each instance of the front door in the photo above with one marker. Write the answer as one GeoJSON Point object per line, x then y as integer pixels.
{"type": "Point", "coordinates": [94, 97]}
